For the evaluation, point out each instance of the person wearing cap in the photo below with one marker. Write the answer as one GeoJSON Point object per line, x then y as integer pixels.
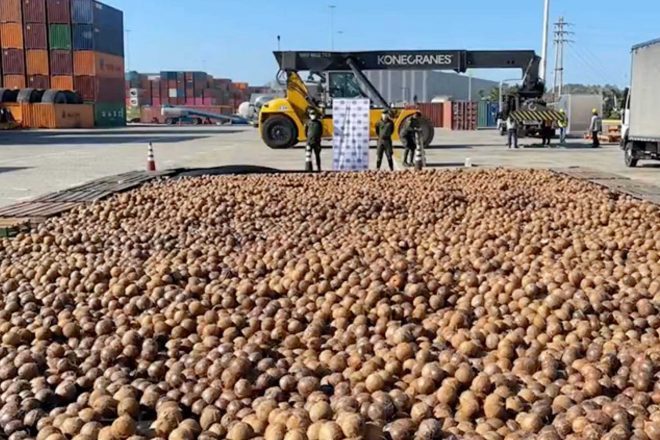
{"type": "Point", "coordinates": [384, 131]}
{"type": "Point", "coordinates": [408, 137]}
{"type": "Point", "coordinates": [562, 123]}
{"type": "Point", "coordinates": [596, 127]}
{"type": "Point", "coordinates": [314, 131]}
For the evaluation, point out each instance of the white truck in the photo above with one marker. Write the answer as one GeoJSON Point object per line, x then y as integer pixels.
{"type": "Point", "coordinates": [640, 136]}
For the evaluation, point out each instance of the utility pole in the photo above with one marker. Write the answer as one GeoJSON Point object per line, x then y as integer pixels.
{"type": "Point", "coordinates": [544, 47]}
{"type": "Point", "coordinates": [561, 39]}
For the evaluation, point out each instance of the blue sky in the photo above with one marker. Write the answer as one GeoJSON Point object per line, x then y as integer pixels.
{"type": "Point", "coordinates": [235, 38]}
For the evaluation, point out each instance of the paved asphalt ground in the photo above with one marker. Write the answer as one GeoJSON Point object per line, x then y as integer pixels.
{"type": "Point", "coordinates": [33, 163]}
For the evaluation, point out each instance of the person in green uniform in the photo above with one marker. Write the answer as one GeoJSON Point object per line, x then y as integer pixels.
{"type": "Point", "coordinates": [384, 130]}
{"type": "Point", "coordinates": [408, 138]}
{"type": "Point", "coordinates": [314, 131]}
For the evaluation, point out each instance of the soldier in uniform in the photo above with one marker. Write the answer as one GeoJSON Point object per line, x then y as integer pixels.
{"type": "Point", "coordinates": [384, 130]}
{"type": "Point", "coordinates": [408, 135]}
{"type": "Point", "coordinates": [314, 131]}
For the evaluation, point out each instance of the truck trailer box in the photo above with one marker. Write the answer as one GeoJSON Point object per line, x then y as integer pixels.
{"type": "Point", "coordinates": [645, 92]}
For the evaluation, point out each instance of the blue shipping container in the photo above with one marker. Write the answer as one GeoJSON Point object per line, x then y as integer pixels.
{"type": "Point", "coordinates": [83, 37]}
{"type": "Point", "coordinates": [108, 29]}
{"type": "Point", "coordinates": [82, 11]}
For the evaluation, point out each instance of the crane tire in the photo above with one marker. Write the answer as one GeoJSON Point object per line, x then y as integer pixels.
{"type": "Point", "coordinates": [279, 132]}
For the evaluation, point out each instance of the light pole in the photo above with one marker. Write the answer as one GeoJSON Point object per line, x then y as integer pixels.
{"type": "Point", "coordinates": [544, 48]}
{"type": "Point", "coordinates": [339, 34]}
{"type": "Point", "coordinates": [332, 26]}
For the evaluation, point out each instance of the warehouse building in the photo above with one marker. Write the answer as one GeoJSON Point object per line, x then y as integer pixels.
{"type": "Point", "coordinates": [404, 86]}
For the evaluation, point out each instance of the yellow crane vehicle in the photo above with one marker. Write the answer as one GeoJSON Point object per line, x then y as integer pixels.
{"type": "Point", "coordinates": [337, 75]}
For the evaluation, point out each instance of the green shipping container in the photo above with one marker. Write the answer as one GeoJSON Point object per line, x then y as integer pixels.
{"type": "Point", "coordinates": [59, 37]}
{"type": "Point", "coordinates": [110, 115]}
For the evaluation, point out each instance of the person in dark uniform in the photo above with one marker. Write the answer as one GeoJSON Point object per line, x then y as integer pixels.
{"type": "Point", "coordinates": [409, 141]}
{"type": "Point", "coordinates": [384, 130]}
{"type": "Point", "coordinates": [314, 131]}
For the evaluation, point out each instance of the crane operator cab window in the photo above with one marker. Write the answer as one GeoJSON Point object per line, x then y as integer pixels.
{"type": "Point", "coordinates": [343, 85]}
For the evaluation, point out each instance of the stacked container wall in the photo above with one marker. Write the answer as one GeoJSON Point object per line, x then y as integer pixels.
{"type": "Point", "coordinates": [59, 37]}
{"type": "Point", "coordinates": [58, 11]}
{"type": "Point", "coordinates": [37, 62]}
{"type": "Point", "coordinates": [62, 82]}
{"type": "Point", "coordinates": [83, 36]}
{"type": "Point", "coordinates": [61, 62]}
{"type": "Point", "coordinates": [36, 36]}
{"type": "Point", "coordinates": [34, 11]}
{"type": "Point", "coordinates": [109, 115]}
{"type": "Point", "coordinates": [13, 62]}
{"type": "Point", "coordinates": [82, 11]}
{"type": "Point", "coordinates": [13, 81]}
{"type": "Point", "coordinates": [38, 81]}
{"type": "Point", "coordinates": [108, 29]}
{"type": "Point", "coordinates": [11, 36]}
{"type": "Point", "coordinates": [10, 11]}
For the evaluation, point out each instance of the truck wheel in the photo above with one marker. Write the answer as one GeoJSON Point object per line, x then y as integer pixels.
{"type": "Point", "coordinates": [629, 156]}
{"type": "Point", "coordinates": [426, 126]}
{"type": "Point", "coordinates": [279, 132]}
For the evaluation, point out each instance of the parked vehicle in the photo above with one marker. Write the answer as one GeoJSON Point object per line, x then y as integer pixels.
{"type": "Point", "coordinates": [640, 134]}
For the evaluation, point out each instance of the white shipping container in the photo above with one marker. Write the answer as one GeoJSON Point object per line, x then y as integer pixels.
{"type": "Point", "coordinates": [172, 93]}
{"type": "Point", "coordinates": [579, 110]}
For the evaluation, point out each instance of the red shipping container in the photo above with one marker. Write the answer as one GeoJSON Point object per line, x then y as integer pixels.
{"type": "Point", "coordinates": [208, 101]}
{"type": "Point", "coordinates": [84, 85]}
{"type": "Point", "coordinates": [58, 11]}
{"type": "Point", "coordinates": [433, 112]}
{"type": "Point", "coordinates": [61, 62]}
{"type": "Point", "coordinates": [199, 101]}
{"type": "Point", "coordinates": [14, 81]}
{"type": "Point", "coordinates": [190, 101]}
{"type": "Point", "coordinates": [36, 36]}
{"type": "Point", "coordinates": [34, 11]}
{"type": "Point", "coordinates": [13, 62]}
{"type": "Point", "coordinates": [10, 11]}
{"type": "Point", "coordinates": [156, 102]}
{"type": "Point", "coordinates": [110, 90]}
{"type": "Point", "coordinates": [448, 115]}
{"type": "Point", "coordinates": [38, 82]}
{"type": "Point", "coordinates": [464, 115]}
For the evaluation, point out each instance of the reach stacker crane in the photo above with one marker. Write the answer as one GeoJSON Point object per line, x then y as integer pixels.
{"type": "Point", "coordinates": [341, 75]}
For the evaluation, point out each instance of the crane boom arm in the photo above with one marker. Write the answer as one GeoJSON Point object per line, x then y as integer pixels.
{"type": "Point", "coordinates": [457, 60]}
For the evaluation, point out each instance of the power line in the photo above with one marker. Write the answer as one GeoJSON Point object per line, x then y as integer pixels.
{"type": "Point", "coordinates": [561, 39]}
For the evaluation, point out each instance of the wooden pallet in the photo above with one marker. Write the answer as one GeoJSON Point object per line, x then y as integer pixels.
{"type": "Point", "coordinates": [50, 205]}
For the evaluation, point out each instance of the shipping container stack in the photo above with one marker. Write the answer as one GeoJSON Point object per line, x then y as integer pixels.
{"type": "Point", "coordinates": [66, 45]}
{"type": "Point", "coordinates": [180, 88]}
{"type": "Point", "coordinates": [98, 59]}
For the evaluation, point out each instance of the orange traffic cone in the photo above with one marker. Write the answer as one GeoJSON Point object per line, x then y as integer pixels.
{"type": "Point", "coordinates": [151, 162]}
